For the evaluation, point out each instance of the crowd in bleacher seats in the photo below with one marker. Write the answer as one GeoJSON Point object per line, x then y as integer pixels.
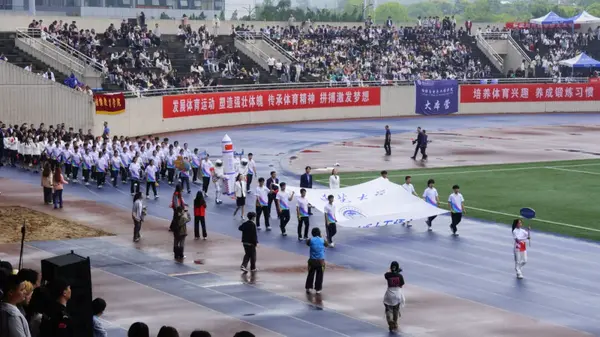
{"type": "Point", "coordinates": [380, 53]}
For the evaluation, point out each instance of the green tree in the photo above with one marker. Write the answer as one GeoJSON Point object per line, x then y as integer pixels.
{"type": "Point", "coordinates": [423, 9]}
{"type": "Point", "coordinates": [565, 11]}
{"type": "Point", "coordinates": [396, 11]}
{"type": "Point", "coordinates": [352, 6]}
{"type": "Point", "coordinates": [539, 8]}
{"type": "Point", "coordinates": [594, 9]}
{"type": "Point", "coordinates": [234, 16]}
{"type": "Point", "coordinates": [479, 11]}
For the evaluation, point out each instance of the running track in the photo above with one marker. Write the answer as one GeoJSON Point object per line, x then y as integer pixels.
{"type": "Point", "coordinates": [561, 285]}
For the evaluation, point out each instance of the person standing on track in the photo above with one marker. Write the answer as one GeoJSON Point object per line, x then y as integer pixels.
{"type": "Point", "coordinates": [282, 202]}
{"type": "Point", "coordinates": [251, 171]}
{"type": "Point", "coordinates": [250, 242]}
{"type": "Point", "coordinates": [316, 261]}
{"type": "Point", "coordinates": [206, 167]}
{"type": "Point", "coordinates": [273, 186]}
{"type": "Point", "coordinates": [520, 236]}
{"type": "Point", "coordinates": [387, 144]}
{"type": "Point", "coordinates": [199, 216]}
{"type": "Point", "coordinates": [417, 142]}
{"type": "Point", "coordinates": [262, 203]}
{"type": "Point", "coordinates": [303, 215]}
{"type": "Point", "coordinates": [137, 213]}
{"type": "Point", "coordinates": [456, 202]}
{"type": "Point", "coordinates": [393, 299]}
{"type": "Point", "coordinates": [330, 220]}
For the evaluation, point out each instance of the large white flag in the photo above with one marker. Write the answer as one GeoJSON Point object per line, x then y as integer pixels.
{"type": "Point", "coordinates": [375, 203]}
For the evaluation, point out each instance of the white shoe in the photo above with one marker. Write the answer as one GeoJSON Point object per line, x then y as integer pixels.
{"type": "Point", "coordinates": [332, 245]}
{"type": "Point", "coordinates": [520, 276]}
{"type": "Point", "coordinates": [430, 229]}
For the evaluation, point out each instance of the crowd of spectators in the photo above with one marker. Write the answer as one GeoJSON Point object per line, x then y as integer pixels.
{"type": "Point", "coordinates": [430, 50]}
{"type": "Point", "coordinates": [549, 46]}
{"type": "Point", "coordinates": [29, 308]}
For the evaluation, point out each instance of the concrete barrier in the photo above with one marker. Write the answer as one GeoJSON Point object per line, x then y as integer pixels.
{"type": "Point", "coordinates": [145, 116]}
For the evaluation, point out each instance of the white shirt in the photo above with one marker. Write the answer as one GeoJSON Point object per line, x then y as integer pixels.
{"type": "Point", "coordinates": [334, 182]}
{"type": "Point", "coordinates": [284, 200]}
{"type": "Point", "coordinates": [302, 206]}
{"type": "Point", "coordinates": [240, 189]}
{"type": "Point", "coordinates": [329, 211]}
{"type": "Point", "coordinates": [456, 200]}
{"type": "Point", "coordinates": [262, 195]}
{"type": "Point", "coordinates": [409, 187]}
{"type": "Point", "coordinates": [251, 166]}
{"type": "Point", "coordinates": [430, 195]}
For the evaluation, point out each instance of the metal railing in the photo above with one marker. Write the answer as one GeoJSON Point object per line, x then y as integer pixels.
{"type": "Point", "coordinates": [86, 60]}
{"type": "Point", "coordinates": [247, 41]}
{"type": "Point", "coordinates": [507, 37]}
{"type": "Point", "coordinates": [49, 50]}
{"type": "Point", "coordinates": [487, 49]}
{"type": "Point", "coordinates": [518, 47]}
{"type": "Point", "coordinates": [252, 36]}
{"type": "Point", "coordinates": [314, 85]}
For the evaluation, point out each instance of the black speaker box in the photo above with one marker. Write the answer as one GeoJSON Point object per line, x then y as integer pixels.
{"type": "Point", "coordinates": [75, 270]}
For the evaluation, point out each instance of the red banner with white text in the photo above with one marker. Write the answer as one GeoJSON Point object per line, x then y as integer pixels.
{"type": "Point", "coordinates": [530, 92]}
{"type": "Point", "coordinates": [109, 104]}
{"type": "Point", "coordinates": [521, 25]}
{"type": "Point", "coordinates": [263, 100]}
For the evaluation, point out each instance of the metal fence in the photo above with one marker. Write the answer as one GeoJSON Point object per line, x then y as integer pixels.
{"type": "Point", "coordinates": [312, 85]}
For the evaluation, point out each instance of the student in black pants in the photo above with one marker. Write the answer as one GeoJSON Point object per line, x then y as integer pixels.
{"type": "Point", "coordinates": [316, 261]}
{"type": "Point", "coordinates": [199, 216]}
{"type": "Point", "coordinates": [250, 242]}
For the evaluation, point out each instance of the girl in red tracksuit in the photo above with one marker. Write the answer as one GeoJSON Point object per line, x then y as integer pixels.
{"type": "Point", "coordinates": [199, 215]}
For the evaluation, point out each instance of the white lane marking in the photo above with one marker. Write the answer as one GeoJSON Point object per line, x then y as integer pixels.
{"type": "Point", "coordinates": [575, 171]}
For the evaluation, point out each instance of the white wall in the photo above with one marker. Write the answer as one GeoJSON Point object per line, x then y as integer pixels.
{"type": "Point", "coordinates": [144, 116]}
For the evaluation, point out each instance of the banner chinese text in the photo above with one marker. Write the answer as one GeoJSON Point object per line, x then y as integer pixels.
{"type": "Point", "coordinates": [554, 92]}
{"type": "Point", "coordinates": [109, 104]}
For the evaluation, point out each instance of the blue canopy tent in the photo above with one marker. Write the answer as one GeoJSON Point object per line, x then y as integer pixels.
{"type": "Point", "coordinates": [550, 19]}
{"type": "Point", "coordinates": [580, 61]}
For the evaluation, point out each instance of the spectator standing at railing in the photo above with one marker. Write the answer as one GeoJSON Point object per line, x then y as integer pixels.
{"type": "Point", "coordinates": [216, 24]}
{"type": "Point", "coordinates": [468, 26]}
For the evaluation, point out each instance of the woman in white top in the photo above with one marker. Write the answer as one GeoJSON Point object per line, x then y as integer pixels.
{"type": "Point", "coordinates": [240, 193]}
{"type": "Point", "coordinates": [520, 236]}
{"type": "Point", "coordinates": [334, 180]}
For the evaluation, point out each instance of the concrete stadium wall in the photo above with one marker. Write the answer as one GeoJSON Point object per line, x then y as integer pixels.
{"type": "Point", "coordinates": [144, 116]}
{"type": "Point", "coordinates": [29, 98]}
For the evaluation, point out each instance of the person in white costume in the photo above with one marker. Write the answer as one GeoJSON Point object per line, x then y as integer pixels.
{"type": "Point", "coordinates": [243, 167]}
{"type": "Point", "coordinates": [520, 236]}
{"type": "Point", "coordinates": [218, 180]}
{"type": "Point", "coordinates": [393, 299]}
{"type": "Point", "coordinates": [334, 180]}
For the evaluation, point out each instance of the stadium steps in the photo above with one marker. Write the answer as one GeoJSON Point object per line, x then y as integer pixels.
{"type": "Point", "coordinates": [469, 41]}
{"type": "Point", "coordinates": [21, 59]}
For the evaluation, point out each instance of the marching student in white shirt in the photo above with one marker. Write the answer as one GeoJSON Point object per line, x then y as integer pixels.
{"type": "Point", "coordinates": [135, 176]}
{"type": "Point", "coordinates": [240, 193]}
{"type": "Point", "coordinates": [334, 180]}
{"type": "Point", "coordinates": [195, 162]}
{"type": "Point", "coordinates": [520, 236]}
{"type": "Point", "coordinates": [262, 203]}
{"type": "Point", "coordinates": [330, 220]}
{"type": "Point", "coordinates": [430, 195]}
{"type": "Point", "coordinates": [408, 186]}
{"type": "Point", "coordinates": [101, 167]}
{"type": "Point", "coordinates": [456, 202]}
{"type": "Point", "coordinates": [251, 170]}
{"type": "Point", "coordinates": [115, 167]}
{"type": "Point", "coordinates": [38, 147]}
{"type": "Point", "coordinates": [151, 182]}
{"type": "Point", "coordinates": [282, 202]}
{"type": "Point", "coordinates": [76, 160]}
{"type": "Point", "coordinates": [302, 214]}
{"type": "Point", "coordinates": [88, 162]}
{"type": "Point", "coordinates": [27, 153]}
{"type": "Point", "coordinates": [206, 167]}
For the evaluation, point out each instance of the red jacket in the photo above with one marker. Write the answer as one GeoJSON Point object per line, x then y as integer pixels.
{"type": "Point", "coordinates": [200, 211]}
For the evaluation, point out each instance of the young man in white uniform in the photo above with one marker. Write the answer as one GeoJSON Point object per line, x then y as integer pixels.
{"type": "Point", "coordinates": [430, 195]}
{"type": "Point", "coordinates": [520, 236]}
{"type": "Point", "coordinates": [408, 186]}
{"type": "Point", "coordinates": [456, 202]}
{"type": "Point", "coordinates": [330, 220]}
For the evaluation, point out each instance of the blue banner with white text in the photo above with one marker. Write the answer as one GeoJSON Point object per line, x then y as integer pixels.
{"type": "Point", "coordinates": [436, 97]}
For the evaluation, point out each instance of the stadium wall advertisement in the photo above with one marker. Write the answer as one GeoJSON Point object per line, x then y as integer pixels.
{"type": "Point", "coordinates": [162, 114]}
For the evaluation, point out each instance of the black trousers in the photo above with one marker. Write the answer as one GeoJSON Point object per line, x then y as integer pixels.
{"type": "Point", "coordinates": [47, 195]}
{"type": "Point", "coordinates": [392, 312]}
{"type": "Point", "coordinates": [199, 220]}
{"type": "Point", "coordinates": [331, 230]}
{"type": "Point", "coordinates": [284, 218]}
{"type": "Point", "coordinates": [114, 175]}
{"type": "Point", "coordinates": [430, 219]}
{"type": "Point", "coordinates": [194, 174]}
{"type": "Point", "coordinates": [178, 245]}
{"type": "Point", "coordinates": [271, 198]}
{"type": "Point", "coordinates": [249, 256]}
{"type": "Point", "coordinates": [100, 178]}
{"type": "Point", "coordinates": [86, 175]}
{"type": "Point", "coordinates": [262, 210]}
{"type": "Point", "coordinates": [316, 269]}
{"type": "Point", "coordinates": [456, 218]}
{"type": "Point", "coordinates": [149, 185]}
{"type": "Point", "coordinates": [205, 182]}
{"type": "Point", "coordinates": [184, 181]}
{"type": "Point", "coordinates": [137, 226]}
{"type": "Point", "coordinates": [416, 151]}
{"type": "Point", "coordinates": [170, 175]}
{"type": "Point", "coordinates": [388, 148]}
{"type": "Point", "coordinates": [303, 220]}
{"type": "Point", "coordinates": [74, 171]}
{"type": "Point", "coordinates": [249, 181]}
{"type": "Point", "coordinates": [424, 152]}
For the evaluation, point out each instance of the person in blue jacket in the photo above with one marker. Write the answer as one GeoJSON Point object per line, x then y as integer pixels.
{"type": "Point", "coordinates": [316, 262]}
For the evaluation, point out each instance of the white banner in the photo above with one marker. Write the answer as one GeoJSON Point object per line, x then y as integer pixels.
{"type": "Point", "coordinates": [375, 203]}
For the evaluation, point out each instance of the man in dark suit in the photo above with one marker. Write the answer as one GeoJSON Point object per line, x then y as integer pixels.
{"type": "Point", "coordinates": [306, 181]}
{"type": "Point", "coordinates": [306, 178]}
{"type": "Point", "coordinates": [387, 143]}
{"type": "Point", "coordinates": [423, 145]}
{"type": "Point", "coordinates": [417, 141]}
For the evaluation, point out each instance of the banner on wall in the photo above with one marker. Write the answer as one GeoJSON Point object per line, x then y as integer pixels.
{"type": "Point", "coordinates": [375, 203]}
{"type": "Point", "coordinates": [436, 97]}
{"type": "Point", "coordinates": [263, 100]}
{"type": "Point", "coordinates": [529, 92]}
{"type": "Point", "coordinates": [109, 104]}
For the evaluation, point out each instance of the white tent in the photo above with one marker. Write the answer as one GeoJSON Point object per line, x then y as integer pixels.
{"type": "Point", "coordinates": [375, 203]}
{"type": "Point", "coordinates": [580, 61]}
{"type": "Point", "coordinates": [550, 19]}
{"type": "Point", "coordinates": [584, 18]}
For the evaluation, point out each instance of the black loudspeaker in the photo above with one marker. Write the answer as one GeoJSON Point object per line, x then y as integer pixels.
{"type": "Point", "coordinates": [75, 270]}
{"type": "Point", "coordinates": [132, 22]}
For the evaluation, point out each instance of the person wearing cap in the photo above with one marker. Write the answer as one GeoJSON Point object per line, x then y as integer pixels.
{"type": "Point", "coordinates": [250, 242]}
{"type": "Point", "coordinates": [520, 236]}
{"type": "Point", "coordinates": [282, 202]}
{"type": "Point", "coordinates": [393, 299]}
{"type": "Point", "coordinates": [456, 202]}
{"type": "Point", "coordinates": [316, 261]}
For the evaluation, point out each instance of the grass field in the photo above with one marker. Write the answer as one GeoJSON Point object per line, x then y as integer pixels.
{"type": "Point", "coordinates": [564, 194]}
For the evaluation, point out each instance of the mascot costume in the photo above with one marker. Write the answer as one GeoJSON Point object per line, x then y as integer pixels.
{"type": "Point", "coordinates": [218, 180]}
